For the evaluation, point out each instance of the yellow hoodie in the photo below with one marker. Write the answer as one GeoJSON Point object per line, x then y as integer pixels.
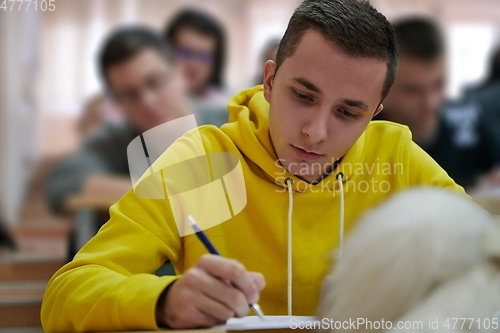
{"type": "Point", "coordinates": [110, 284]}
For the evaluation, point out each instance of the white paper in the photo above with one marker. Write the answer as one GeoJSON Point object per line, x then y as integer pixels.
{"type": "Point", "coordinates": [254, 323]}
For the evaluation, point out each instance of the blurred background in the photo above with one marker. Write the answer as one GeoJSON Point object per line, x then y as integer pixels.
{"type": "Point", "coordinates": [51, 97]}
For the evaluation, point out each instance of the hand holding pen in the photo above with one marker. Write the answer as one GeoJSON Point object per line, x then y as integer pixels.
{"type": "Point", "coordinates": [202, 298]}
{"type": "Point", "coordinates": [211, 248]}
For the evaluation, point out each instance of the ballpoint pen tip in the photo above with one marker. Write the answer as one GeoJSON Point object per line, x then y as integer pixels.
{"type": "Point", "coordinates": [258, 311]}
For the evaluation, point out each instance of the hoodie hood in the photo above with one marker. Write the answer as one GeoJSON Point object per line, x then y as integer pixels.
{"type": "Point", "coordinates": [248, 128]}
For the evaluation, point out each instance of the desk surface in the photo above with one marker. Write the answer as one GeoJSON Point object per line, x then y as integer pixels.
{"type": "Point", "coordinates": [275, 330]}
{"type": "Point", "coordinates": [177, 331]}
{"type": "Point", "coordinates": [98, 203]}
{"type": "Point", "coordinates": [489, 201]}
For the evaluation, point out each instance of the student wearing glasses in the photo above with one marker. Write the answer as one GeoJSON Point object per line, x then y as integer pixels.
{"type": "Point", "coordinates": [199, 43]}
{"type": "Point", "coordinates": [136, 66]}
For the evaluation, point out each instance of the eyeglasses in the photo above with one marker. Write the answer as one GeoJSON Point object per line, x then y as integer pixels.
{"type": "Point", "coordinates": [187, 53]}
{"type": "Point", "coordinates": [153, 84]}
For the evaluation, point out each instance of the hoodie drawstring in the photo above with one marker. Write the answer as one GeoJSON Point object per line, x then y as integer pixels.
{"type": "Point", "coordinates": [339, 177]}
{"type": "Point", "coordinates": [289, 182]}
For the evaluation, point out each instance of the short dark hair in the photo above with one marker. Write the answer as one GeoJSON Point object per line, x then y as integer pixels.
{"type": "Point", "coordinates": [354, 25]}
{"type": "Point", "coordinates": [125, 43]}
{"type": "Point", "coordinates": [419, 38]}
{"type": "Point", "coordinates": [205, 25]}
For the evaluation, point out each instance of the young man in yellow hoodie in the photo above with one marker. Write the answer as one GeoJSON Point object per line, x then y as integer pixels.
{"type": "Point", "coordinates": [311, 160]}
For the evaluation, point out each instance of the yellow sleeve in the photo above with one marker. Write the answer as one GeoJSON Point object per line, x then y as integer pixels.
{"type": "Point", "coordinates": [424, 171]}
{"type": "Point", "coordinates": [110, 284]}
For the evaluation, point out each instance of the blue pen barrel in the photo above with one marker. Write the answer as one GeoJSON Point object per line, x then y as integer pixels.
{"type": "Point", "coordinates": [203, 238]}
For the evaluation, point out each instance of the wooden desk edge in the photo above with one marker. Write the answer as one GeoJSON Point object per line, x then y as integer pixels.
{"type": "Point", "coordinates": [208, 330]}
{"type": "Point", "coordinates": [78, 201]}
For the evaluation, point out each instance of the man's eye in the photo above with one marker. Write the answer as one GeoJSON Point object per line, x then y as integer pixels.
{"type": "Point", "coordinates": [154, 82]}
{"type": "Point", "coordinates": [348, 114]}
{"type": "Point", "coordinates": [302, 96]}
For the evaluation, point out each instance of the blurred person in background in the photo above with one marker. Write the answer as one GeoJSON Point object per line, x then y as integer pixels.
{"type": "Point", "coordinates": [137, 69]}
{"type": "Point", "coordinates": [268, 53]}
{"type": "Point", "coordinates": [93, 115]}
{"type": "Point", "coordinates": [487, 94]}
{"type": "Point", "coordinates": [98, 110]}
{"type": "Point", "coordinates": [199, 43]}
{"type": "Point", "coordinates": [456, 135]}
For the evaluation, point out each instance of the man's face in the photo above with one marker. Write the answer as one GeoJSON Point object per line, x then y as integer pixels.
{"type": "Point", "coordinates": [417, 93]}
{"type": "Point", "coordinates": [146, 88]}
{"type": "Point", "coordinates": [321, 101]}
{"type": "Point", "coordinates": [195, 56]}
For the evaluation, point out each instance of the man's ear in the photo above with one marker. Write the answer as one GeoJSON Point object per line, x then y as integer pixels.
{"type": "Point", "coordinates": [269, 71]}
{"type": "Point", "coordinates": [379, 109]}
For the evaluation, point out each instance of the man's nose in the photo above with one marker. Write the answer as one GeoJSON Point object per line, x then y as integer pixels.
{"type": "Point", "coordinates": [148, 98]}
{"type": "Point", "coordinates": [316, 128]}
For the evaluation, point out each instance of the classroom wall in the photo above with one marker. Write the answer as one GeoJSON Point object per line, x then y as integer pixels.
{"type": "Point", "coordinates": [18, 115]}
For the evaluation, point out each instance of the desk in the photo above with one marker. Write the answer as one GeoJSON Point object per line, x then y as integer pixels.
{"type": "Point", "coordinates": [276, 330]}
{"type": "Point", "coordinates": [86, 208]}
{"type": "Point", "coordinates": [273, 324]}
{"type": "Point", "coordinates": [488, 199]}
{"type": "Point", "coordinates": [80, 201]}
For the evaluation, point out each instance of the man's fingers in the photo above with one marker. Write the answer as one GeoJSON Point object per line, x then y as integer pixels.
{"type": "Point", "coordinates": [214, 308]}
{"type": "Point", "coordinates": [203, 320]}
{"type": "Point", "coordinates": [258, 280]}
{"type": "Point", "coordinates": [222, 292]}
{"type": "Point", "coordinates": [232, 298]}
{"type": "Point", "coordinates": [231, 271]}
{"type": "Point", "coordinates": [189, 307]}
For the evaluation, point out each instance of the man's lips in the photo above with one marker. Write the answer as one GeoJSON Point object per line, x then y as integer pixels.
{"type": "Point", "coordinates": [304, 154]}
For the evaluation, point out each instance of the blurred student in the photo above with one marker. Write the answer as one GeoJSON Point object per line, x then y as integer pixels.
{"type": "Point", "coordinates": [487, 94]}
{"type": "Point", "coordinates": [268, 53]}
{"type": "Point", "coordinates": [300, 140]}
{"type": "Point", "coordinates": [93, 116]}
{"type": "Point", "coordinates": [456, 135]}
{"type": "Point", "coordinates": [199, 43]}
{"type": "Point", "coordinates": [137, 69]}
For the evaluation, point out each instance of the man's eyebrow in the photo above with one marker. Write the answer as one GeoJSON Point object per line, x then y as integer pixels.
{"type": "Point", "coordinates": [310, 86]}
{"type": "Point", "coordinates": [307, 84]}
{"type": "Point", "coordinates": [357, 104]}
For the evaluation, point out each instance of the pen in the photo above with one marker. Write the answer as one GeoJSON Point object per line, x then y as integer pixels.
{"type": "Point", "coordinates": [211, 248]}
